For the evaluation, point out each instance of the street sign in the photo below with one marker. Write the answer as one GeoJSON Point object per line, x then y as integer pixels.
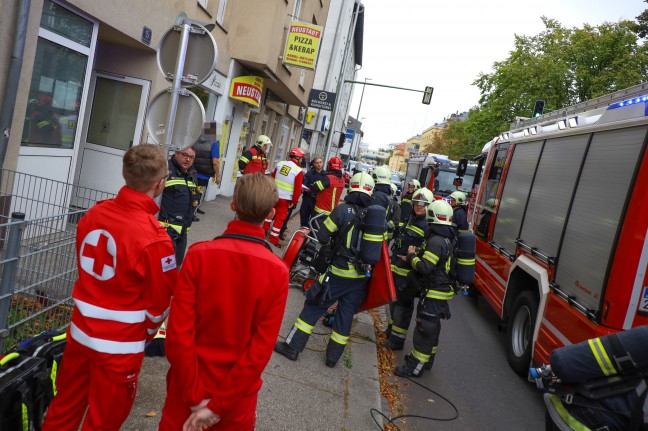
{"type": "Point", "coordinates": [427, 95]}
{"type": "Point", "coordinates": [188, 124]}
{"type": "Point", "coordinates": [200, 57]}
{"type": "Point", "coordinates": [321, 100]}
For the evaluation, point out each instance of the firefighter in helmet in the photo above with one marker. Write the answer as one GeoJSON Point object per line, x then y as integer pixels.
{"type": "Point", "coordinates": [341, 282]}
{"type": "Point", "coordinates": [460, 218]}
{"type": "Point", "coordinates": [406, 201]}
{"type": "Point", "coordinates": [430, 275]}
{"type": "Point", "coordinates": [382, 195]}
{"type": "Point", "coordinates": [486, 214]}
{"type": "Point", "coordinates": [330, 187]}
{"type": "Point", "coordinates": [255, 159]}
{"type": "Point", "coordinates": [288, 177]}
{"type": "Point", "coordinates": [412, 233]}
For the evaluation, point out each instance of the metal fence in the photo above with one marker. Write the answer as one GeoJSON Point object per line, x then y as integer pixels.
{"type": "Point", "coordinates": [38, 219]}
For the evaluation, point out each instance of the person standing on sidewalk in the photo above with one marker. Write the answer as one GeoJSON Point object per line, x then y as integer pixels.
{"type": "Point", "coordinates": [288, 177]}
{"type": "Point", "coordinates": [460, 218]}
{"type": "Point", "coordinates": [341, 282]}
{"type": "Point", "coordinates": [255, 159]}
{"type": "Point", "coordinates": [207, 165]}
{"type": "Point", "coordinates": [314, 174]}
{"type": "Point", "coordinates": [225, 318]}
{"type": "Point", "coordinates": [330, 188]}
{"type": "Point", "coordinates": [127, 268]}
{"type": "Point", "coordinates": [430, 274]}
{"type": "Point", "coordinates": [180, 200]}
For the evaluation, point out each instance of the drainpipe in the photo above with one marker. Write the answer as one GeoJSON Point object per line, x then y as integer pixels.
{"type": "Point", "coordinates": [13, 77]}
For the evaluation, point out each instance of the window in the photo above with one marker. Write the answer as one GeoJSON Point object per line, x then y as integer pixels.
{"type": "Point", "coordinates": [57, 79]}
{"type": "Point", "coordinates": [220, 15]}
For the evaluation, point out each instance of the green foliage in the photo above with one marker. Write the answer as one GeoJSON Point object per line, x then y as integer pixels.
{"type": "Point", "coordinates": [561, 66]}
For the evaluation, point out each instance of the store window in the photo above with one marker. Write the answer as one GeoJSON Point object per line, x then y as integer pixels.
{"type": "Point", "coordinates": [57, 79]}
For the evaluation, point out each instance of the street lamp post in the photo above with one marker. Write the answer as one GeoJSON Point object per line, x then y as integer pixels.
{"type": "Point", "coordinates": [362, 95]}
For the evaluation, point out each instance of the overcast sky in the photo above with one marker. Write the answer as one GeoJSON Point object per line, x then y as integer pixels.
{"type": "Point", "coordinates": [446, 44]}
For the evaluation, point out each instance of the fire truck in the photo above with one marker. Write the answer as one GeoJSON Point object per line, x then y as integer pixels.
{"type": "Point", "coordinates": [439, 174]}
{"type": "Point", "coordinates": [561, 214]}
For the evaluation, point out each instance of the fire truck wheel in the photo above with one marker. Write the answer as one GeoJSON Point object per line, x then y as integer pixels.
{"type": "Point", "coordinates": [519, 332]}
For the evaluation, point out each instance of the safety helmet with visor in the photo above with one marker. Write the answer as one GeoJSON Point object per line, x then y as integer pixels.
{"type": "Point", "coordinates": [423, 197]}
{"type": "Point", "coordinates": [439, 212]}
{"type": "Point", "coordinates": [361, 182]}
{"type": "Point", "coordinates": [381, 175]}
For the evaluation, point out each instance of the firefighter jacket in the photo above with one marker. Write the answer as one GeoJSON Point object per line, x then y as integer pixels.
{"type": "Point", "coordinates": [412, 233]}
{"type": "Point", "coordinates": [288, 177]}
{"type": "Point", "coordinates": [382, 196]}
{"type": "Point", "coordinates": [203, 161]}
{"type": "Point", "coordinates": [225, 318]}
{"type": "Point", "coordinates": [127, 268]}
{"type": "Point", "coordinates": [406, 206]}
{"type": "Point", "coordinates": [433, 260]}
{"type": "Point", "coordinates": [460, 218]}
{"type": "Point", "coordinates": [180, 198]}
{"type": "Point", "coordinates": [253, 160]}
{"type": "Point", "coordinates": [341, 231]}
{"type": "Point", "coordinates": [311, 177]}
{"type": "Point", "coordinates": [330, 189]}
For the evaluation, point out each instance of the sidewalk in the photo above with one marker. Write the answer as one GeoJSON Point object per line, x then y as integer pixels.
{"type": "Point", "coordinates": [301, 395]}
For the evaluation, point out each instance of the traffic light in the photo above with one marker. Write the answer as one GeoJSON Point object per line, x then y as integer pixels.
{"type": "Point", "coordinates": [427, 95]}
{"type": "Point", "coordinates": [538, 108]}
{"type": "Point", "coordinates": [341, 140]}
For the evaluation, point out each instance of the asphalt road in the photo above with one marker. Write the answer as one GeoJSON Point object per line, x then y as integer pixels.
{"type": "Point", "coordinates": [471, 371]}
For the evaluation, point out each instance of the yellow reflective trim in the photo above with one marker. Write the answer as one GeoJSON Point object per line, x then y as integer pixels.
{"type": "Point", "coordinates": [573, 423]}
{"type": "Point", "coordinates": [415, 261]}
{"type": "Point", "coordinates": [435, 294]}
{"type": "Point", "coordinates": [406, 201]}
{"type": "Point", "coordinates": [330, 225]}
{"type": "Point", "coordinates": [319, 185]}
{"type": "Point", "coordinates": [345, 273]}
{"type": "Point", "coordinates": [463, 230]}
{"type": "Point", "coordinates": [399, 330]}
{"type": "Point", "coordinates": [421, 357]}
{"type": "Point", "coordinates": [284, 185]}
{"type": "Point", "coordinates": [373, 238]}
{"type": "Point", "coordinates": [244, 159]}
{"type": "Point", "coordinates": [400, 271]}
{"type": "Point", "coordinates": [9, 357]}
{"type": "Point", "coordinates": [467, 262]}
{"type": "Point", "coordinates": [320, 210]}
{"type": "Point", "coordinates": [176, 227]}
{"type": "Point", "coordinates": [415, 229]}
{"type": "Point", "coordinates": [338, 338]}
{"type": "Point", "coordinates": [53, 376]}
{"type": "Point", "coordinates": [303, 326]}
{"type": "Point", "coordinates": [601, 356]}
{"type": "Point", "coordinates": [25, 417]}
{"type": "Point", "coordinates": [428, 255]}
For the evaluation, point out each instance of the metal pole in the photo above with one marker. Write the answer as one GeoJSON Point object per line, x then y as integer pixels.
{"type": "Point", "coordinates": [177, 87]}
{"type": "Point", "coordinates": [13, 76]}
{"type": "Point", "coordinates": [341, 80]}
{"type": "Point", "coordinates": [8, 280]}
{"type": "Point", "coordinates": [361, 96]}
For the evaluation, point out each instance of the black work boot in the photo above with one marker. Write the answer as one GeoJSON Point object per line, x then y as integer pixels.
{"type": "Point", "coordinates": [333, 353]}
{"type": "Point", "coordinates": [388, 331]}
{"type": "Point", "coordinates": [428, 364]}
{"type": "Point", "coordinates": [394, 344]}
{"type": "Point", "coordinates": [411, 368]}
{"type": "Point", "coordinates": [284, 349]}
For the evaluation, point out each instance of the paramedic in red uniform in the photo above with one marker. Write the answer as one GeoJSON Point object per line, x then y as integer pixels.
{"type": "Point", "coordinates": [288, 177]}
{"type": "Point", "coordinates": [127, 267]}
{"type": "Point", "coordinates": [225, 318]}
{"type": "Point", "coordinates": [255, 159]}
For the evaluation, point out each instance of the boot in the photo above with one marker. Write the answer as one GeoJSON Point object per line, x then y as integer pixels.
{"type": "Point", "coordinates": [394, 344]}
{"type": "Point", "coordinates": [284, 349]}
{"type": "Point", "coordinates": [333, 353]}
{"type": "Point", "coordinates": [428, 364]}
{"type": "Point", "coordinates": [388, 331]}
{"type": "Point", "coordinates": [411, 368]}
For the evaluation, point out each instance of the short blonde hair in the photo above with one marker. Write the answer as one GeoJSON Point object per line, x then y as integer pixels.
{"type": "Point", "coordinates": [144, 165]}
{"type": "Point", "coordinates": [254, 197]}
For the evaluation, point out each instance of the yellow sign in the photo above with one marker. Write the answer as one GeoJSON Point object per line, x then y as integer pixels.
{"type": "Point", "coordinates": [248, 89]}
{"type": "Point", "coordinates": [302, 45]}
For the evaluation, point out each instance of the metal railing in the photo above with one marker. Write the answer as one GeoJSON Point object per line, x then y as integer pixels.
{"type": "Point", "coordinates": [38, 219]}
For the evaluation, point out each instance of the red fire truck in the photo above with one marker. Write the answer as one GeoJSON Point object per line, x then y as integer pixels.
{"type": "Point", "coordinates": [561, 213]}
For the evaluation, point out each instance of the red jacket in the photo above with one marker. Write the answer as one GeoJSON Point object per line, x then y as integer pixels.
{"type": "Point", "coordinates": [253, 160]}
{"type": "Point", "coordinates": [127, 268]}
{"type": "Point", "coordinates": [331, 188]}
{"type": "Point", "coordinates": [225, 318]}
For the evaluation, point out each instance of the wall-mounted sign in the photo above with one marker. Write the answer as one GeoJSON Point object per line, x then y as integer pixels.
{"type": "Point", "coordinates": [215, 83]}
{"type": "Point", "coordinates": [321, 100]}
{"type": "Point", "coordinates": [247, 89]}
{"type": "Point", "coordinates": [302, 45]}
{"type": "Point", "coordinates": [146, 35]}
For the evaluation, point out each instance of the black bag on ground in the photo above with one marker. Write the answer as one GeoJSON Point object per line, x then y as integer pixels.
{"type": "Point", "coordinates": [24, 384]}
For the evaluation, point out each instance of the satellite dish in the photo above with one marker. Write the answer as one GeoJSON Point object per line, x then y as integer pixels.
{"type": "Point", "coordinates": [200, 57]}
{"type": "Point", "coordinates": [188, 125]}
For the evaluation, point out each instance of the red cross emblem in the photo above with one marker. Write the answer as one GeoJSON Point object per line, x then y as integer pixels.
{"type": "Point", "coordinates": [98, 254]}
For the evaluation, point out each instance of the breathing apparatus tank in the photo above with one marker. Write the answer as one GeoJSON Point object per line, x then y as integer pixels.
{"type": "Point", "coordinates": [373, 225]}
{"type": "Point", "coordinates": [464, 257]}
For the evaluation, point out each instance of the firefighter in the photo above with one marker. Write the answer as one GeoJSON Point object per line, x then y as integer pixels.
{"type": "Point", "coordinates": [255, 159]}
{"type": "Point", "coordinates": [460, 218]}
{"type": "Point", "coordinates": [341, 282]}
{"type": "Point", "coordinates": [126, 271]}
{"type": "Point", "coordinates": [330, 188]}
{"type": "Point", "coordinates": [180, 199]}
{"type": "Point", "coordinates": [430, 275]}
{"type": "Point", "coordinates": [412, 233]}
{"type": "Point", "coordinates": [382, 195]}
{"type": "Point", "coordinates": [315, 173]}
{"type": "Point", "coordinates": [406, 200]}
{"type": "Point", "coordinates": [288, 177]}
{"type": "Point", "coordinates": [486, 214]}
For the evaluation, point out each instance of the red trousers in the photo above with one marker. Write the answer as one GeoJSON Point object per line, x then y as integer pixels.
{"type": "Point", "coordinates": [281, 212]}
{"type": "Point", "coordinates": [176, 412]}
{"type": "Point", "coordinates": [103, 384]}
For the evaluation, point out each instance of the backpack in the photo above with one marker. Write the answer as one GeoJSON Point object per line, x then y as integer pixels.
{"type": "Point", "coordinates": [462, 264]}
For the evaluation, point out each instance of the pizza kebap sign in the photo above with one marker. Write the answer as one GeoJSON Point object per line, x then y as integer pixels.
{"type": "Point", "coordinates": [302, 45]}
